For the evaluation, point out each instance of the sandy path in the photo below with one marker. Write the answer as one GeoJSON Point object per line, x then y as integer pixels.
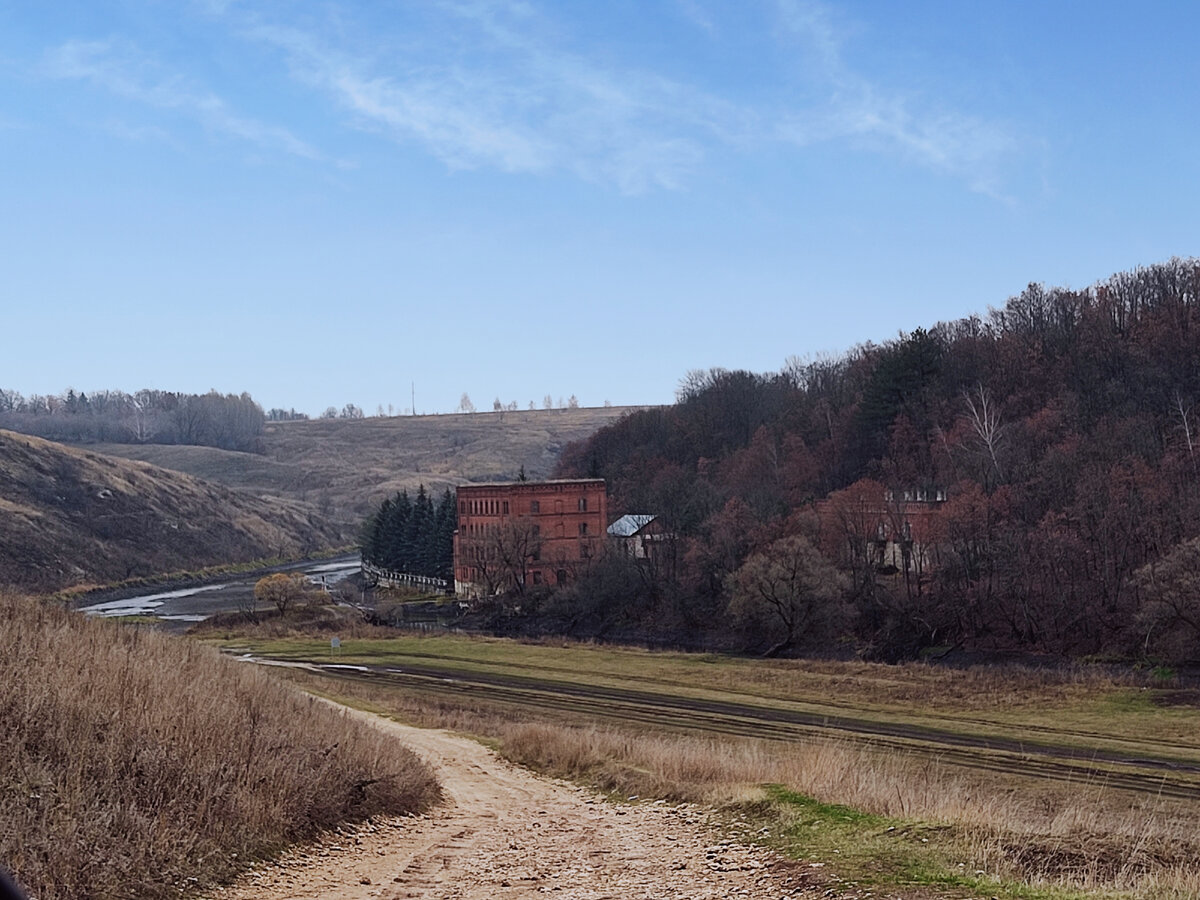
{"type": "Point", "coordinates": [505, 833]}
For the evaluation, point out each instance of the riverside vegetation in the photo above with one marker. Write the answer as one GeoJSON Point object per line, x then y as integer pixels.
{"type": "Point", "coordinates": [137, 765]}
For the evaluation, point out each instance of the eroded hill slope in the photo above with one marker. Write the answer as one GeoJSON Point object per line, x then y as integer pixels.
{"type": "Point", "coordinates": [70, 516]}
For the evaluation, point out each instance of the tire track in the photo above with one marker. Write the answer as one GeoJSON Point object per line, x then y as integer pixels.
{"type": "Point", "coordinates": [1143, 774]}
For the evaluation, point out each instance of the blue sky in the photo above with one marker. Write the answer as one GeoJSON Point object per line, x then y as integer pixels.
{"type": "Point", "coordinates": [323, 203]}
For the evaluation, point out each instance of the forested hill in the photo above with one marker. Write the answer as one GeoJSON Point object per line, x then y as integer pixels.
{"type": "Point", "coordinates": [70, 517]}
{"type": "Point", "coordinates": [1064, 427]}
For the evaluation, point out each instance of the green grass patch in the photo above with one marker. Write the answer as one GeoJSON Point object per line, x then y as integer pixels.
{"type": "Point", "coordinates": [880, 852]}
{"type": "Point", "coordinates": [1084, 712]}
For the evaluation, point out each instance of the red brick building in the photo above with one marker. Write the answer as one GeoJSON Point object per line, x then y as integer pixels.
{"type": "Point", "coordinates": [514, 535]}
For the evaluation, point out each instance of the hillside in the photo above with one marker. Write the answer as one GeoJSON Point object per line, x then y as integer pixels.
{"type": "Point", "coordinates": [346, 466]}
{"type": "Point", "coordinates": [1034, 474]}
{"type": "Point", "coordinates": [70, 516]}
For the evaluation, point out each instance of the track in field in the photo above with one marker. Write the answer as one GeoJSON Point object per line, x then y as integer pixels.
{"type": "Point", "coordinates": [1160, 776]}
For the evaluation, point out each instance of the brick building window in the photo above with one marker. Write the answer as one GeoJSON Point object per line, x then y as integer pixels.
{"type": "Point", "coordinates": [583, 527]}
{"type": "Point", "coordinates": [506, 507]}
{"type": "Point", "coordinates": [535, 506]}
{"type": "Point", "coordinates": [583, 504]}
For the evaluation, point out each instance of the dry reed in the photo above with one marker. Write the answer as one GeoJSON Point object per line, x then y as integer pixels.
{"type": "Point", "coordinates": [133, 764]}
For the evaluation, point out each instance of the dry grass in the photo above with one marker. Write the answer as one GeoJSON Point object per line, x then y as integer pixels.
{"type": "Point", "coordinates": [346, 466]}
{"type": "Point", "coordinates": [74, 517]}
{"type": "Point", "coordinates": [1026, 835]}
{"type": "Point", "coordinates": [133, 764]}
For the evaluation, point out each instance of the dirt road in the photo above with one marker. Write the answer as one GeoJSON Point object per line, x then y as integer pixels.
{"type": "Point", "coordinates": [504, 833]}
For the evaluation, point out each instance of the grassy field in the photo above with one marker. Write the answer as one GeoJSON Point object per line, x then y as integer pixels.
{"type": "Point", "coordinates": [907, 816]}
{"type": "Point", "coordinates": [136, 765]}
{"type": "Point", "coordinates": [1082, 707]}
{"type": "Point", "coordinates": [344, 466]}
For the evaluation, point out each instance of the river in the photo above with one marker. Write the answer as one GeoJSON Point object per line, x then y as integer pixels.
{"type": "Point", "coordinates": [182, 606]}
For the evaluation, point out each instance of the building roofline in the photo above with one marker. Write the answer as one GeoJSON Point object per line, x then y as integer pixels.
{"type": "Point", "coordinates": [507, 484]}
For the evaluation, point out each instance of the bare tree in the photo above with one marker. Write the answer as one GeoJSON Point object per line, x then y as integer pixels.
{"type": "Point", "coordinates": [1170, 592]}
{"type": "Point", "coordinates": [502, 555]}
{"type": "Point", "coordinates": [985, 421]}
{"type": "Point", "coordinates": [1185, 416]}
{"type": "Point", "coordinates": [280, 590]}
{"type": "Point", "coordinates": [465, 405]}
{"type": "Point", "coordinates": [792, 584]}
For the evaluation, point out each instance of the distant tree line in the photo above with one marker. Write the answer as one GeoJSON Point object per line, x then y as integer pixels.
{"type": "Point", "coordinates": [1063, 428]}
{"type": "Point", "coordinates": [228, 421]}
{"type": "Point", "coordinates": [414, 536]}
{"type": "Point", "coordinates": [285, 415]}
{"type": "Point", "coordinates": [349, 411]}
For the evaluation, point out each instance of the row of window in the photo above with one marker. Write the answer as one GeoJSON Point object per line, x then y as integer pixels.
{"type": "Point", "coordinates": [920, 495]}
{"type": "Point", "coordinates": [560, 576]}
{"type": "Point", "coordinates": [500, 507]}
{"type": "Point", "coordinates": [475, 529]}
{"type": "Point", "coordinates": [491, 551]}
{"type": "Point", "coordinates": [483, 507]}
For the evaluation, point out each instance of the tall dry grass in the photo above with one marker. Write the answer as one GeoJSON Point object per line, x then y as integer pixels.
{"type": "Point", "coordinates": [136, 765]}
{"type": "Point", "coordinates": [1081, 836]}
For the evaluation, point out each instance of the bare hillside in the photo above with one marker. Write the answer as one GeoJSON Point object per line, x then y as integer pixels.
{"type": "Point", "coordinates": [70, 516]}
{"type": "Point", "coordinates": [345, 465]}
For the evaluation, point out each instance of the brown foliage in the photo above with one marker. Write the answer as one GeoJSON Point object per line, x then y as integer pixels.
{"type": "Point", "coordinates": [280, 590]}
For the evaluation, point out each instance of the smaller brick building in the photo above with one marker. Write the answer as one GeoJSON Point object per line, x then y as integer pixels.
{"type": "Point", "coordinates": [512, 535]}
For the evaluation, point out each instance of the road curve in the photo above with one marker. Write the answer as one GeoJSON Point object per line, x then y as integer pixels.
{"type": "Point", "coordinates": [506, 834]}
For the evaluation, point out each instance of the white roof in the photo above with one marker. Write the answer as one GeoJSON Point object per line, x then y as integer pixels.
{"type": "Point", "coordinates": [627, 526]}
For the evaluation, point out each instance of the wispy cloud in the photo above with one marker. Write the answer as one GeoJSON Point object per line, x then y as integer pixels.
{"type": "Point", "coordinates": [119, 68]}
{"type": "Point", "coordinates": [492, 85]}
{"type": "Point", "coordinates": [506, 85]}
{"type": "Point", "coordinates": [968, 147]}
{"type": "Point", "coordinates": [540, 110]}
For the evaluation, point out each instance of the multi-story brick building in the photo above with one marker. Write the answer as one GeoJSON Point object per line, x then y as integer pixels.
{"type": "Point", "coordinates": [513, 535]}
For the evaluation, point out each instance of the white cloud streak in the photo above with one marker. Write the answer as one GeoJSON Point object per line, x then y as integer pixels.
{"type": "Point", "coordinates": [120, 69]}
{"type": "Point", "coordinates": [967, 147]}
{"type": "Point", "coordinates": [543, 110]}
{"type": "Point", "coordinates": [485, 84]}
